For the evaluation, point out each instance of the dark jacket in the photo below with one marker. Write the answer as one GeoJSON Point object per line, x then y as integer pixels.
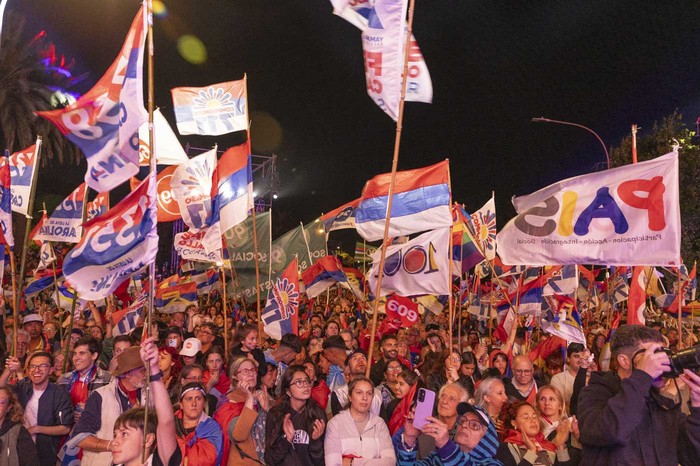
{"type": "Point", "coordinates": [627, 422]}
{"type": "Point", "coordinates": [24, 446]}
{"type": "Point", "coordinates": [55, 409]}
{"type": "Point", "coordinates": [280, 452]}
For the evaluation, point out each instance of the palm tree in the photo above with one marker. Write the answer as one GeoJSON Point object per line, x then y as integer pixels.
{"type": "Point", "coordinates": [32, 78]}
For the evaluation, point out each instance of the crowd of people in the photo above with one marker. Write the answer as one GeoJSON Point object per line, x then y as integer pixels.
{"type": "Point", "coordinates": [220, 392]}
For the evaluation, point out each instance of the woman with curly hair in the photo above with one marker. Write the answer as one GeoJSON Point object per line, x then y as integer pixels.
{"type": "Point", "coordinates": [16, 444]}
{"type": "Point", "coordinates": [295, 425]}
{"type": "Point", "coordinates": [169, 364]}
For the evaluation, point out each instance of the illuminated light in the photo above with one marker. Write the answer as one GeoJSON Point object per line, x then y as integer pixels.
{"type": "Point", "coordinates": [266, 132]}
{"type": "Point", "coordinates": [255, 194]}
{"type": "Point", "coordinates": [159, 9]}
{"type": "Point", "coordinates": [192, 49]}
{"type": "Point", "coordinates": [275, 196]}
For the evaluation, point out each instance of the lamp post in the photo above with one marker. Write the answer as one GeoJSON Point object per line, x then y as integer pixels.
{"type": "Point", "coordinates": [568, 123]}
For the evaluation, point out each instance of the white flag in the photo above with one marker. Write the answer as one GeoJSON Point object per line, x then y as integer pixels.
{"type": "Point", "coordinates": [168, 149]}
{"type": "Point", "coordinates": [191, 186]}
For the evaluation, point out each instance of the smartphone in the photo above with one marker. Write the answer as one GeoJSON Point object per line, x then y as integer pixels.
{"type": "Point", "coordinates": [424, 407]}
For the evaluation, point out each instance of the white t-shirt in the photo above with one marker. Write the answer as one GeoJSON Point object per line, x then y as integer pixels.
{"type": "Point", "coordinates": [31, 412]}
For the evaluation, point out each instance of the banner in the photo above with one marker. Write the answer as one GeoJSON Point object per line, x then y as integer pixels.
{"type": "Point", "coordinates": [628, 215]}
{"type": "Point", "coordinates": [484, 223]}
{"type": "Point", "coordinates": [281, 314]}
{"type": "Point", "coordinates": [212, 110]}
{"type": "Point", "coordinates": [46, 257]}
{"type": "Point", "coordinates": [116, 245]}
{"type": "Point", "coordinates": [168, 149]}
{"type": "Point", "coordinates": [420, 202]}
{"type": "Point", "coordinates": [404, 309]}
{"type": "Point", "coordinates": [368, 18]}
{"type": "Point", "coordinates": [168, 207]}
{"type": "Point", "coordinates": [191, 187]}
{"type": "Point", "coordinates": [98, 206]}
{"type": "Point", "coordinates": [8, 236]}
{"type": "Point", "coordinates": [340, 218]}
{"type": "Point", "coordinates": [190, 247]}
{"type": "Point", "coordinates": [104, 122]}
{"type": "Point", "coordinates": [418, 267]}
{"type": "Point", "coordinates": [65, 223]}
{"type": "Point", "coordinates": [22, 172]}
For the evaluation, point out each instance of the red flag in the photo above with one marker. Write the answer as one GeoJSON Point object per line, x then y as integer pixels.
{"type": "Point", "coordinates": [637, 298]}
{"type": "Point", "coordinates": [403, 309]}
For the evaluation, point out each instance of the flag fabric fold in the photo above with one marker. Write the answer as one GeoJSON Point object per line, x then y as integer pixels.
{"type": "Point", "coordinates": [281, 314]}
{"type": "Point", "coordinates": [168, 149]}
{"type": "Point", "coordinates": [22, 173]}
{"type": "Point", "coordinates": [232, 188]}
{"type": "Point", "coordinates": [340, 218]}
{"type": "Point", "coordinates": [484, 228]}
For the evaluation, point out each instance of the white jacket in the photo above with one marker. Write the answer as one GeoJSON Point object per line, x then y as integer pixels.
{"type": "Point", "coordinates": [373, 445]}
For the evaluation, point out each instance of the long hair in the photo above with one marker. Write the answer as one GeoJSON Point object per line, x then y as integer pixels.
{"type": "Point", "coordinates": [558, 396]}
{"type": "Point", "coordinates": [177, 365]}
{"type": "Point", "coordinates": [485, 388]}
{"type": "Point", "coordinates": [14, 411]}
{"type": "Point", "coordinates": [275, 417]}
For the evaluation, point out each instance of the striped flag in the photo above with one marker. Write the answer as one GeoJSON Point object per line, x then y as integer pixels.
{"type": "Point", "coordinates": [124, 322]}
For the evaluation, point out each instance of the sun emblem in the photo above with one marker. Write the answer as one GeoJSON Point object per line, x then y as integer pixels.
{"type": "Point", "coordinates": [213, 97]}
{"type": "Point", "coordinates": [287, 297]}
{"type": "Point", "coordinates": [485, 228]}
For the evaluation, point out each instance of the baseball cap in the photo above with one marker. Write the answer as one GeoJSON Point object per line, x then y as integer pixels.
{"type": "Point", "coordinates": [190, 347]}
{"type": "Point", "coordinates": [464, 408]}
{"type": "Point", "coordinates": [32, 318]}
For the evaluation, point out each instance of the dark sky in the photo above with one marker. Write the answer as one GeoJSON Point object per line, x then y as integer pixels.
{"type": "Point", "coordinates": [494, 65]}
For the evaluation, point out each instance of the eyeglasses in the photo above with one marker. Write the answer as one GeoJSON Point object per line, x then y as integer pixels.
{"type": "Point", "coordinates": [471, 424]}
{"type": "Point", "coordinates": [247, 371]}
{"type": "Point", "coordinates": [450, 398]}
{"type": "Point", "coordinates": [43, 367]}
{"type": "Point", "coordinates": [301, 383]}
{"type": "Point", "coordinates": [523, 371]}
{"type": "Point", "coordinates": [394, 369]}
{"type": "Point", "coordinates": [194, 378]}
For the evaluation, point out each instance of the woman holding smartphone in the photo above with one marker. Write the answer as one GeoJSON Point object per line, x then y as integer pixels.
{"type": "Point", "coordinates": [356, 437]}
{"type": "Point", "coordinates": [242, 417]}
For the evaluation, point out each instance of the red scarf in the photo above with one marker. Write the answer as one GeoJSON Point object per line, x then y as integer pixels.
{"type": "Point", "coordinates": [132, 395]}
{"type": "Point", "coordinates": [222, 385]}
{"type": "Point", "coordinates": [79, 387]}
{"type": "Point", "coordinates": [516, 438]}
{"type": "Point", "coordinates": [398, 418]}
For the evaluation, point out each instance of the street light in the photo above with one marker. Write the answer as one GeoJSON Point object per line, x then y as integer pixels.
{"type": "Point", "coordinates": [568, 123]}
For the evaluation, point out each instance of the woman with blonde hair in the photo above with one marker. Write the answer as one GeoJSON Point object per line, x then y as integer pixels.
{"type": "Point", "coordinates": [16, 444]}
{"type": "Point", "coordinates": [551, 408]}
{"type": "Point", "coordinates": [242, 416]}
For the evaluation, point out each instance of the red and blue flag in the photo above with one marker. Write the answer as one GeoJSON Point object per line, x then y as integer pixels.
{"type": "Point", "coordinates": [340, 218]}
{"type": "Point", "coordinates": [281, 314]}
{"type": "Point", "coordinates": [7, 236]}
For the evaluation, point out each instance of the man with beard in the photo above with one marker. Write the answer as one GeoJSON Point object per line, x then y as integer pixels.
{"type": "Point", "coordinates": [388, 345]}
{"type": "Point", "coordinates": [355, 366]}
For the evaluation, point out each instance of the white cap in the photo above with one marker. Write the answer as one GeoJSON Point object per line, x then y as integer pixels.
{"type": "Point", "coordinates": [190, 347]}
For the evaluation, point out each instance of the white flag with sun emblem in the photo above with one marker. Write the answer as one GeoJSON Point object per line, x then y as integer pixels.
{"type": "Point", "coordinates": [212, 110]}
{"type": "Point", "coordinates": [484, 221]}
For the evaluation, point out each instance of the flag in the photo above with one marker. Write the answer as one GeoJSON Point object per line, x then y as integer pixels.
{"type": "Point", "coordinates": [371, 18]}
{"type": "Point", "coordinates": [46, 257]}
{"type": "Point", "coordinates": [323, 274]}
{"type": "Point", "coordinates": [22, 172]}
{"type": "Point", "coordinates": [404, 309]}
{"type": "Point", "coordinates": [637, 299]}
{"type": "Point", "coordinates": [65, 223]}
{"type": "Point", "coordinates": [465, 252]}
{"type": "Point", "coordinates": [207, 281]}
{"type": "Point", "coordinates": [104, 122]}
{"type": "Point", "coordinates": [39, 285]}
{"type": "Point", "coordinates": [212, 110]}
{"type": "Point", "coordinates": [620, 289]}
{"type": "Point", "coordinates": [191, 185]}
{"type": "Point", "coordinates": [563, 281]}
{"type": "Point", "coordinates": [168, 206]}
{"type": "Point", "coordinates": [421, 201]}
{"type": "Point", "coordinates": [190, 246]}
{"type": "Point", "coordinates": [174, 296]}
{"type": "Point", "coordinates": [692, 285]}
{"type": "Point", "coordinates": [530, 301]}
{"type": "Point", "coordinates": [484, 228]}
{"type": "Point", "coordinates": [168, 149]}
{"type": "Point", "coordinates": [124, 321]}
{"type": "Point", "coordinates": [628, 215]}
{"type": "Point", "coordinates": [115, 245]}
{"type": "Point", "coordinates": [544, 348]}
{"type": "Point", "coordinates": [340, 218]}
{"type": "Point", "coordinates": [281, 314]}
{"type": "Point", "coordinates": [363, 252]}
{"type": "Point", "coordinates": [505, 324]}
{"type": "Point", "coordinates": [98, 206]}
{"type": "Point", "coordinates": [564, 321]}
{"type": "Point", "coordinates": [432, 303]}
{"type": "Point", "coordinates": [418, 267]}
{"type": "Point", "coordinates": [7, 236]}
{"type": "Point", "coordinates": [232, 188]}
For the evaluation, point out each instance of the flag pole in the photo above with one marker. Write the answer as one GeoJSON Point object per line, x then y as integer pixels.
{"type": "Point", "coordinates": [392, 182]}
{"type": "Point", "coordinates": [680, 306]}
{"type": "Point", "coordinates": [223, 294]}
{"type": "Point", "coordinates": [15, 301]}
{"type": "Point", "coordinates": [148, 11]}
{"type": "Point", "coordinates": [28, 217]}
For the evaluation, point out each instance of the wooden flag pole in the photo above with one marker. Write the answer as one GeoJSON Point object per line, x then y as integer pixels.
{"type": "Point", "coordinates": [148, 11]}
{"type": "Point", "coordinates": [680, 307]}
{"type": "Point", "coordinates": [70, 330]}
{"type": "Point", "coordinates": [28, 217]}
{"type": "Point", "coordinates": [392, 182]}
{"type": "Point", "coordinates": [451, 301]}
{"type": "Point", "coordinates": [15, 301]}
{"type": "Point", "coordinates": [223, 294]}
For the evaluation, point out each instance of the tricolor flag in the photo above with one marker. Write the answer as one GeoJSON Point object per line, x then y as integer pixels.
{"type": "Point", "coordinates": [484, 228]}
{"type": "Point", "coordinates": [38, 285]}
{"type": "Point", "coordinates": [383, 26]}
{"type": "Point", "coordinates": [465, 252]}
{"type": "Point", "coordinates": [168, 149]}
{"type": "Point", "coordinates": [207, 281]}
{"type": "Point", "coordinates": [7, 236]}
{"type": "Point", "coordinates": [421, 201]}
{"type": "Point", "coordinates": [175, 297]}
{"type": "Point", "coordinates": [98, 206]}
{"type": "Point", "coordinates": [232, 188]}
{"type": "Point", "coordinates": [22, 173]}
{"type": "Point", "coordinates": [212, 110]}
{"type": "Point", "coordinates": [124, 322]}
{"type": "Point", "coordinates": [637, 299]}
{"type": "Point", "coordinates": [65, 223]}
{"type": "Point", "coordinates": [46, 257]}
{"type": "Point", "coordinates": [104, 122]}
{"type": "Point", "coordinates": [115, 245]}
{"type": "Point", "coordinates": [341, 217]}
{"type": "Point", "coordinates": [324, 273]}
{"type": "Point", "coordinates": [281, 314]}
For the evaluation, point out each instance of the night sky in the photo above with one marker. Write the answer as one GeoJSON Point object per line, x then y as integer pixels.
{"type": "Point", "coordinates": [494, 65]}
